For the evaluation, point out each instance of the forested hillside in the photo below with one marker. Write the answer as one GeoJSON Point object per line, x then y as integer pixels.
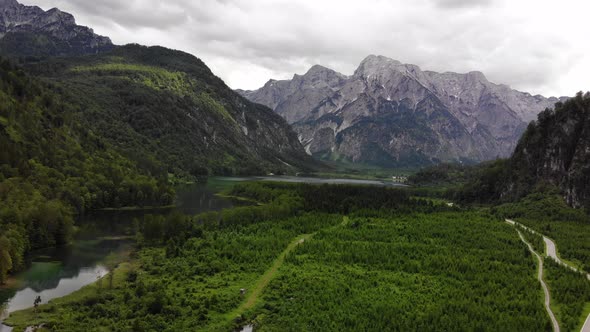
{"type": "Point", "coordinates": [555, 149]}
{"type": "Point", "coordinates": [554, 152]}
{"type": "Point", "coordinates": [166, 108]}
{"type": "Point", "coordinates": [53, 167]}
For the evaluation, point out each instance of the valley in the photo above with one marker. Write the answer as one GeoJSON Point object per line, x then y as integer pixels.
{"type": "Point", "coordinates": [396, 115]}
{"type": "Point", "coordinates": [141, 190]}
{"type": "Point", "coordinates": [438, 251]}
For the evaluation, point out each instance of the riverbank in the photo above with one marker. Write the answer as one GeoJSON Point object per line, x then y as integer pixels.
{"type": "Point", "coordinates": [45, 314]}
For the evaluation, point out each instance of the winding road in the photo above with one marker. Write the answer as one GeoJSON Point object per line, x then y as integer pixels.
{"type": "Point", "coordinates": [551, 251]}
{"type": "Point", "coordinates": [550, 247]}
{"type": "Point", "coordinates": [545, 289]}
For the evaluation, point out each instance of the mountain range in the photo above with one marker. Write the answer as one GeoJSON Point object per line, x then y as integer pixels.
{"type": "Point", "coordinates": [31, 31]}
{"type": "Point", "coordinates": [393, 114]}
{"type": "Point", "coordinates": [161, 108]}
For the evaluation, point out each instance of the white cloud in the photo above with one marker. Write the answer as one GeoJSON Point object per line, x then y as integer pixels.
{"type": "Point", "coordinates": [537, 46]}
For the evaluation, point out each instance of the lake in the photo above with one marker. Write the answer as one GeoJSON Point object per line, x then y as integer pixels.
{"type": "Point", "coordinates": [57, 272]}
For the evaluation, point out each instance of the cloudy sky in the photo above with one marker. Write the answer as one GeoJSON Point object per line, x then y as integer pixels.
{"type": "Point", "coordinates": [538, 46]}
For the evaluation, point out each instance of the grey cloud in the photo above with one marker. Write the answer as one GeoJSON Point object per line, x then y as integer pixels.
{"type": "Point", "coordinates": [246, 41]}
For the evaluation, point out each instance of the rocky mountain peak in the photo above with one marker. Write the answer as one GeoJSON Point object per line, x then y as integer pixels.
{"type": "Point", "coordinates": [319, 77]}
{"type": "Point", "coordinates": [375, 64]}
{"type": "Point", "coordinates": [395, 114]}
{"type": "Point", "coordinates": [376, 60]}
{"type": "Point", "coordinates": [318, 69]}
{"type": "Point", "coordinates": [477, 76]}
{"type": "Point", "coordinates": [20, 26]}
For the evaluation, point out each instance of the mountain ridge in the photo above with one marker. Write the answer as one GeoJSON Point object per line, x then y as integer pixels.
{"type": "Point", "coordinates": [167, 106]}
{"type": "Point", "coordinates": [32, 31]}
{"type": "Point", "coordinates": [493, 115]}
{"type": "Point", "coordinates": [163, 108]}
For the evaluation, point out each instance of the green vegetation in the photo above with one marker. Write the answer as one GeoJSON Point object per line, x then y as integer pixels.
{"type": "Point", "coordinates": [166, 110]}
{"type": "Point", "coordinates": [535, 239]}
{"type": "Point", "coordinates": [348, 170]}
{"type": "Point", "coordinates": [547, 213]}
{"type": "Point", "coordinates": [349, 279]}
{"type": "Point", "coordinates": [570, 292]}
{"type": "Point", "coordinates": [443, 175]}
{"type": "Point", "coordinates": [396, 263]}
{"type": "Point", "coordinates": [53, 168]}
{"type": "Point", "coordinates": [551, 154]}
{"type": "Point", "coordinates": [553, 150]}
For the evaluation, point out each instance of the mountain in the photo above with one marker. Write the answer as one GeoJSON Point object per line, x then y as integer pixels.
{"type": "Point", "coordinates": [162, 108]}
{"type": "Point", "coordinates": [31, 31]}
{"type": "Point", "coordinates": [395, 114]}
{"type": "Point", "coordinates": [52, 167]}
{"type": "Point", "coordinates": [165, 108]}
{"type": "Point", "coordinates": [555, 150]}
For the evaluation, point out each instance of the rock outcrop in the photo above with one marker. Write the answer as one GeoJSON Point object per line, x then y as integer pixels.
{"type": "Point", "coordinates": [555, 149]}
{"type": "Point", "coordinates": [31, 31]}
{"type": "Point", "coordinates": [395, 114]}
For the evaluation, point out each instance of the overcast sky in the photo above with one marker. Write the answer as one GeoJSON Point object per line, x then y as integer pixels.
{"type": "Point", "coordinates": [538, 46]}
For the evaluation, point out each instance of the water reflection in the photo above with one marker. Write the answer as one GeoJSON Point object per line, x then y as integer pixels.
{"type": "Point", "coordinates": [57, 272]}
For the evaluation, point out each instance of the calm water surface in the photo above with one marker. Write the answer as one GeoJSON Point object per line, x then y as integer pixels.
{"type": "Point", "coordinates": [57, 272]}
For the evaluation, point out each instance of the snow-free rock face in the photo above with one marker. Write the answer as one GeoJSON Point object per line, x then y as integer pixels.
{"type": "Point", "coordinates": [395, 114]}
{"type": "Point", "coordinates": [31, 31]}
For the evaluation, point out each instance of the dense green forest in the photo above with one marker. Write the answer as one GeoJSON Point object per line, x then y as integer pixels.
{"type": "Point", "coordinates": [548, 213]}
{"type": "Point", "coordinates": [462, 270]}
{"type": "Point", "coordinates": [388, 261]}
{"type": "Point", "coordinates": [444, 174]}
{"type": "Point", "coordinates": [543, 185]}
{"type": "Point", "coordinates": [53, 168]}
{"type": "Point", "coordinates": [167, 110]}
{"type": "Point", "coordinates": [570, 293]}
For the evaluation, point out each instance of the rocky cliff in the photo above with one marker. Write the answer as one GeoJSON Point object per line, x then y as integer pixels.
{"type": "Point", "coordinates": [555, 149]}
{"type": "Point", "coordinates": [31, 31]}
{"type": "Point", "coordinates": [395, 114]}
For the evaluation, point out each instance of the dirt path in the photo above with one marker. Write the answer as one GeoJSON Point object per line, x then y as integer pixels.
{"type": "Point", "coordinates": [255, 292]}
{"type": "Point", "coordinates": [545, 289]}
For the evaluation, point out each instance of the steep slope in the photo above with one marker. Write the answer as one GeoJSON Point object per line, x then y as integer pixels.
{"type": "Point", "coordinates": [52, 167]}
{"type": "Point", "coordinates": [293, 99]}
{"type": "Point", "coordinates": [31, 31]}
{"type": "Point", "coordinates": [555, 150]}
{"type": "Point", "coordinates": [396, 114]}
{"type": "Point", "coordinates": [165, 107]}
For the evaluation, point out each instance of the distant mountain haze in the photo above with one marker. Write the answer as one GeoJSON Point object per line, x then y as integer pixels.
{"type": "Point", "coordinates": [396, 114]}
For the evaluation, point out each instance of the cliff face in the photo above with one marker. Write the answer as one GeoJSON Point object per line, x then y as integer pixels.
{"type": "Point", "coordinates": [396, 114]}
{"type": "Point", "coordinates": [556, 149]}
{"type": "Point", "coordinates": [31, 31]}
